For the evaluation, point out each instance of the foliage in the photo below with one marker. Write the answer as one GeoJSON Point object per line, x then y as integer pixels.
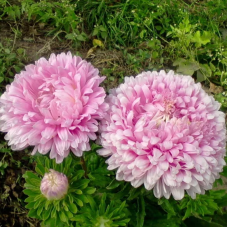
{"type": "Point", "coordinates": [56, 212]}
{"type": "Point", "coordinates": [102, 215]}
{"type": "Point", "coordinates": [11, 62]}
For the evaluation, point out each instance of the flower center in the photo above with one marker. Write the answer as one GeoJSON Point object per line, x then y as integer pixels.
{"type": "Point", "coordinates": [169, 107]}
{"type": "Point", "coordinates": [52, 179]}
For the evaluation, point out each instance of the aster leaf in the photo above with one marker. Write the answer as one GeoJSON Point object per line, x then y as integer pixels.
{"type": "Point", "coordinates": [81, 184]}
{"type": "Point", "coordinates": [37, 203]}
{"type": "Point", "coordinates": [30, 205]}
{"type": "Point", "coordinates": [69, 214]}
{"type": "Point", "coordinates": [123, 192]}
{"type": "Point", "coordinates": [188, 211]}
{"type": "Point", "coordinates": [167, 206]}
{"type": "Point", "coordinates": [30, 192]}
{"type": "Point", "coordinates": [77, 191]}
{"type": "Point", "coordinates": [89, 190]}
{"type": "Point", "coordinates": [114, 184]}
{"type": "Point", "coordinates": [91, 202]}
{"type": "Point", "coordinates": [68, 165]}
{"type": "Point", "coordinates": [29, 186]}
{"type": "Point", "coordinates": [39, 210]}
{"type": "Point", "coordinates": [78, 201]}
{"type": "Point", "coordinates": [53, 212]}
{"type": "Point", "coordinates": [62, 216]}
{"type": "Point", "coordinates": [33, 213]}
{"type": "Point", "coordinates": [83, 198]}
{"type": "Point", "coordinates": [39, 196]}
{"type": "Point", "coordinates": [73, 208]}
{"type": "Point", "coordinates": [135, 192]}
{"type": "Point", "coordinates": [78, 175]}
{"type": "Point", "coordinates": [141, 211]}
{"type": "Point", "coordinates": [46, 213]}
{"type": "Point", "coordinates": [40, 169]}
{"type": "Point", "coordinates": [40, 159]}
{"type": "Point", "coordinates": [47, 163]}
{"type": "Point", "coordinates": [30, 199]}
{"type": "Point", "coordinates": [70, 198]}
{"type": "Point", "coordinates": [122, 222]}
{"type": "Point", "coordinates": [48, 202]}
{"type": "Point", "coordinates": [102, 204]}
{"type": "Point", "coordinates": [65, 207]}
{"type": "Point", "coordinates": [34, 182]}
{"type": "Point", "coordinates": [55, 202]}
{"type": "Point", "coordinates": [30, 175]}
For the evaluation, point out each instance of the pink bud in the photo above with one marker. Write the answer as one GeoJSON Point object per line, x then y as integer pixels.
{"type": "Point", "coordinates": [54, 185]}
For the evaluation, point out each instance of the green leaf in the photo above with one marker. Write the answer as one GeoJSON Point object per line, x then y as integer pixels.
{"type": "Point", "coordinates": [135, 192]}
{"type": "Point", "coordinates": [70, 198]}
{"type": "Point", "coordinates": [102, 28]}
{"type": "Point", "coordinates": [31, 192]}
{"type": "Point", "coordinates": [39, 211]}
{"type": "Point", "coordinates": [78, 175]}
{"type": "Point", "coordinates": [29, 186]}
{"type": "Point", "coordinates": [37, 203]}
{"type": "Point", "coordinates": [1, 79]}
{"type": "Point", "coordinates": [78, 191]}
{"type": "Point", "coordinates": [81, 184]}
{"type": "Point", "coordinates": [73, 208]}
{"type": "Point", "coordinates": [89, 190]}
{"type": "Point", "coordinates": [62, 216]}
{"type": "Point", "coordinates": [47, 163]}
{"type": "Point", "coordinates": [186, 67]}
{"type": "Point", "coordinates": [30, 199]}
{"type": "Point", "coordinates": [114, 184]}
{"type": "Point", "coordinates": [168, 207]}
{"type": "Point", "coordinates": [200, 77]}
{"type": "Point", "coordinates": [205, 70]}
{"type": "Point", "coordinates": [187, 213]}
{"type": "Point", "coordinates": [201, 40]}
{"type": "Point", "coordinates": [33, 214]}
{"type": "Point", "coordinates": [53, 213]}
{"type": "Point", "coordinates": [78, 201]}
{"type": "Point", "coordinates": [141, 211]}
{"type": "Point", "coordinates": [40, 169]}
{"type": "Point", "coordinates": [83, 198]}
{"type": "Point", "coordinates": [30, 205]}
{"type": "Point", "coordinates": [92, 202]}
{"type": "Point", "coordinates": [81, 37]}
{"type": "Point", "coordinates": [46, 213]}
{"type": "Point", "coordinates": [69, 214]}
{"type": "Point", "coordinates": [102, 205]}
{"type": "Point", "coordinates": [34, 182]}
{"type": "Point", "coordinates": [30, 175]}
{"type": "Point", "coordinates": [70, 36]}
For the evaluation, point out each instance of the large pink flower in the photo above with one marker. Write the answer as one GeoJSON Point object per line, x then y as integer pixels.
{"type": "Point", "coordinates": [53, 105]}
{"type": "Point", "coordinates": [163, 131]}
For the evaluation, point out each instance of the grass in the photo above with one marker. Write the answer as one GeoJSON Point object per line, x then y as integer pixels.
{"type": "Point", "coordinates": [120, 37]}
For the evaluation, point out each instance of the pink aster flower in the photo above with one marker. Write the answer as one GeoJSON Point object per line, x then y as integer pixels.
{"type": "Point", "coordinates": [53, 105]}
{"type": "Point", "coordinates": [163, 131]}
{"type": "Point", "coordinates": [54, 185]}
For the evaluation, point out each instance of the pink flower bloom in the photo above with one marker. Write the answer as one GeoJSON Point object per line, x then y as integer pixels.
{"type": "Point", "coordinates": [53, 105]}
{"type": "Point", "coordinates": [163, 131]}
{"type": "Point", "coordinates": [54, 185]}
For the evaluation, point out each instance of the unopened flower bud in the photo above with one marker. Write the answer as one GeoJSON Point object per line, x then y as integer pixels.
{"type": "Point", "coordinates": [54, 185]}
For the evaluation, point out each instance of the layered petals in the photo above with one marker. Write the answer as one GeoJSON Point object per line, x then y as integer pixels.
{"type": "Point", "coordinates": [162, 130]}
{"type": "Point", "coordinates": [54, 105]}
